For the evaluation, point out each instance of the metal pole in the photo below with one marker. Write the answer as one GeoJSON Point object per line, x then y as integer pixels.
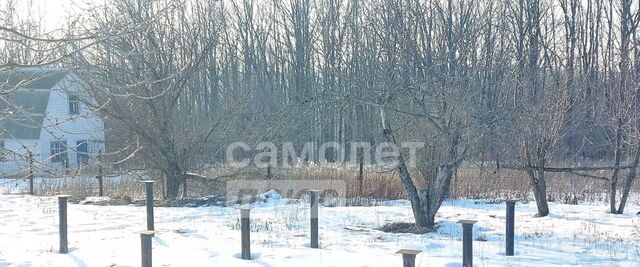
{"type": "Point", "coordinates": [145, 241]}
{"type": "Point", "coordinates": [245, 235]}
{"type": "Point", "coordinates": [408, 257]}
{"type": "Point", "coordinates": [313, 196]}
{"type": "Point", "coordinates": [509, 238]}
{"type": "Point", "coordinates": [62, 215]}
{"type": "Point", "coordinates": [467, 241]}
{"type": "Point", "coordinates": [149, 197]}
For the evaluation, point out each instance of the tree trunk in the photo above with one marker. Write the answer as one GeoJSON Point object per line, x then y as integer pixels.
{"type": "Point", "coordinates": [431, 198]}
{"type": "Point", "coordinates": [539, 186]}
{"type": "Point", "coordinates": [173, 186]}
{"type": "Point", "coordinates": [174, 179]}
{"type": "Point", "coordinates": [629, 183]}
{"type": "Point", "coordinates": [613, 185]}
{"type": "Point", "coordinates": [426, 202]}
{"type": "Point", "coordinates": [419, 213]}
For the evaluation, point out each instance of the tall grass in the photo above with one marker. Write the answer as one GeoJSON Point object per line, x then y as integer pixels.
{"type": "Point", "coordinates": [468, 182]}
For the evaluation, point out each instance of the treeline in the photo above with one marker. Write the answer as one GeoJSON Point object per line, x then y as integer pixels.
{"type": "Point", "coordinates": [536, 85]}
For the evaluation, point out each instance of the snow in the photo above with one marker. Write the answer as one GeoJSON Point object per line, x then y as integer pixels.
{"type": "Point", "coordinates": [270, 198]}
{"type": "Point", "coordinates": [583, 235]}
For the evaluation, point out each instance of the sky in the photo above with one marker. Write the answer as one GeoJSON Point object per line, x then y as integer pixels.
{"type": "Point", "coordinates": [53, 13]}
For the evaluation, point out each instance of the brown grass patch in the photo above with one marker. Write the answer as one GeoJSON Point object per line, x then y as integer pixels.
{"type": "Point", "coordinates": [404, 228]}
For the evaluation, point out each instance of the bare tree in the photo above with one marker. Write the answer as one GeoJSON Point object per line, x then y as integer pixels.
{"type": "Point", "coordinates": [148, 83]}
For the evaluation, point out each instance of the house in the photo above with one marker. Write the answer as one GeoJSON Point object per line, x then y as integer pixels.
{"type": "Point", "coordinates": [44, 127]}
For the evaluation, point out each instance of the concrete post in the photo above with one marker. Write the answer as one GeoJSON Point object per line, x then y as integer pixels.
{"type": "Point", "coordinates": [245, 232]}
{"type": "Point", "coordinates": [149, 202]}
{"type": "Point", "coordinates": [62, 215]}
{"type": "Point", "coordinates": [145, 248]}
{"type": "Point", "coordinates": [467, 242]}
{"type": "Point", "coordinates": [408, 257]}
{"type": "Point", "coordinates": [509, 233]}
{"type": "Point", "coordinates": [313, 197]}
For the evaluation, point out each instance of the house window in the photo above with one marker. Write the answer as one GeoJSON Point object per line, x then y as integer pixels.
{"type": "Point", "coordinates": [59, 151]}
{"type": "Point", "coordinates": [74, 105]}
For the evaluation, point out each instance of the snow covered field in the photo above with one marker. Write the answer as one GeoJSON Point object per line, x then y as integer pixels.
{"type": "Point", "coordinates": [581, 235]}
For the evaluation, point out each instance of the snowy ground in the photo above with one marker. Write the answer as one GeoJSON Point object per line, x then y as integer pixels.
{"type": "Point", "coordinates": [582, 235]}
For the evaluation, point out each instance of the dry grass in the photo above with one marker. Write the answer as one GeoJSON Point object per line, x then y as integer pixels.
{"type": "Point", "coordinates": [403, 227]}
{"type": "Point", "coordinates": [85, 186]}
{"type": "Point", "coordinates": [378, 185]}
{"type": "Point", "coordinates": [562, 187]}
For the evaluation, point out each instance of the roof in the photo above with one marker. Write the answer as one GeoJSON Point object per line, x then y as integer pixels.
{"type": "Point", "coordinates": [21, 115]}
{"type": "Point", "coordinates": [23, 100]}
{"type": "Point", "coordinates": [31, 78]}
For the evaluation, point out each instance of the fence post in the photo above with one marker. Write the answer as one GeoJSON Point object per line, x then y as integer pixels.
{"type": "Point", "coordinates": [361, 172]}
{"type": "Point", "coordinates": [313, 197]}
{"type": "Point", "coordinates": [408, 257]}
{"type": "Point", "coordinates": [509, 237]}
{"type": "Point", "coordinates": [62, 218]}
{"type": "Point", "coordinates": [245, 232]}
{"type": "Point", "coordinates": [100, 186]}
{"type": "Point", "coordinates": [99, 177]}
{"type": "Point", "coordinates": [467, 242]}
{"type": "Point", "coordinates": [31, 191]}
{"type": "Point", "coordinates": [149, 202]}
{"type": "Point", "coordinates": [145, 242]}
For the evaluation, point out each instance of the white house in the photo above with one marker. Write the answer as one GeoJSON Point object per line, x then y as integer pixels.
{"type": "Point", "coordinates": [43, 124]}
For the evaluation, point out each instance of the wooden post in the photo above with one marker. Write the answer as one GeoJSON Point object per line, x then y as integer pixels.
{"type": "Point", "coordinates": [467, 242]}
{"type": "Point", "coordinates": [510, 227]}
{"type": "Point", "coordinates": [65, 163]}
{"type": "Point", "coordinates": [313, 198]}
{"type": "Point", "coordinates": [145, 245]}
{"type": "Point", "coordinates": [100, 185]}
{"type": "Point", "coordinates": [149, 202]}
{"type": "Point", "coordinates": [408, 257]}
{"type": "Point", "coordinates": [62, 219]}
{"type": "Point", "coordinates": [99, 177]}
{"type": "Point", "coordinates": [361, 172]}
{"type": "Point", "coordinates": [245, 232]}
{"type": "Point", "coordinates": [185, 193]}
{"type": "Point", "coordinates": [31, 191]}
